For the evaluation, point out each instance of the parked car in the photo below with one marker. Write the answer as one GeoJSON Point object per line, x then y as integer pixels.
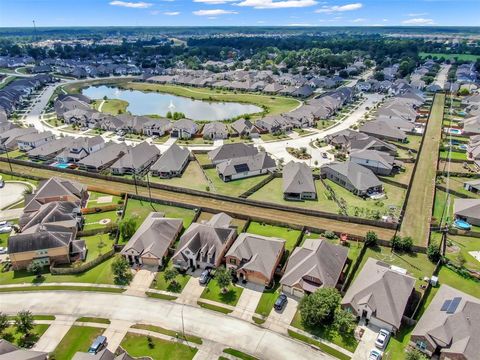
{"type": "Point", "coordinates": [382, 339]}
{"type": "Point", "coordinates": [324, 155]}
{"type": "Point", "coordinates": [280, 302]}
{"type": "Point", "coordinates": [375, 355]}
{"type": "Point", "coordinates": [98, 344]}
{"type": "Point", "coordinates": [3, 250]}
{"type": "Point", "coordinates": [205, 276]}
{"type": "Point", "coordinates": [5, 229]}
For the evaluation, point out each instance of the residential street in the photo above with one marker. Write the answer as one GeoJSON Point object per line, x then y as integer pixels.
{"type": "Point", "coordinates": [210, 325]}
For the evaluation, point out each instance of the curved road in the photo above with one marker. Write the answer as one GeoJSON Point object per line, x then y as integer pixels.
{"type": "Point", "coordinates": [223, 329]}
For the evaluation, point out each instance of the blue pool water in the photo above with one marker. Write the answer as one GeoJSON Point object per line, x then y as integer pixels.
{"type": "Point", "coordinates": [455, 131]}
{"type": "Point", "coordinates": [62, 166]}
{"type": "Point", "coordinates": [462, 225]}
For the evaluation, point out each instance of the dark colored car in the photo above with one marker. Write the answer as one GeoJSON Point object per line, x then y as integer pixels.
{"type": "Point", "coordinates": [205, 276]}
{"type": "Point", "coordinates": [98, 344]}
{"type": "Point", "coordinates": [280, 302]}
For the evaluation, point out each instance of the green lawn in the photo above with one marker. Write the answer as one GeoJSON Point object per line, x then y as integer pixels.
{"type": "Point", "coordinates": [451, 278]}
{"type": "Point", "coordinates": [78, 338]}
{"type": "Point", "coordinates": [273, 137]}
{"type": "Point", "coordinates": [272, 104]}
{"type": "Point", "coordinates": [101, 274]}
{"type": "Point", "coordinates": [265, 305]}
{"type": "Point", "coordinates": [322, 346]}
{"type": "Point", "coordinates": [111, 106]}
{"type": "Point", "coordinates": [346, 341]}
{"type": "Point", "coordinates": [289, 235]}
{"type": "Point", "coordinates": [12, 335]}
{"type": "Point", "coordinates": [214, 292]}
{"type": "Point", "coordinates": [192, 178]}
{"type": "Point", "coordinates": [202, 159]}
{"type": "Point", "coordinates": [417, 214]}
{"type": "Point", "coordinates": [231, 188]}
{"type": "Point", "coordinates": [194, 141]}
{"type": "Point", "coordinates": [463, 245]}
{"type": "Point", "coordinates": [404, 176]}
{"type": "Point", "coordinates": [456, 184]}
{"type": "Point", "coordinates": [180, 281]}
{"type": "Point", "coordinates": [97, 245]}
{"type": "Point", "coordinates": [92, 220]}
{"type": "Point", "coordinates": [158, 329]}
{"type": "Point", "coordinates": [141, 209]}
{"type": "Point", "coordinates": [8, 177]}
{"type": "Point", "coordinates": [454, 155]}
{"type": "Point", "coordinates": [94, 197]}
{"type": "Point", "coordinates": [398, 343]}
{"type": "Point", "coordinates": [239, 354]}
{"type": "Point", "coordinates": [460, 57]}
{"type": "Point", "coordinates": [138, 345]}
{"type": "Point", "coordinates": [273, 193]}
{"type": "Point", "coordinates": [93, 320]}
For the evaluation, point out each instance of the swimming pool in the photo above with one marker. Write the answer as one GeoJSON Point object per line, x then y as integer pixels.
{"type": "Point", "coordinates": [462, 225]}
{"type": "Point", "coordinates": [62, 166]}
{"type": "Point", "coordinates": [454, 131]}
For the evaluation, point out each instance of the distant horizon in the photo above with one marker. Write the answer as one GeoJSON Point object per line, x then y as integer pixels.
{"type": "Point", "coordinates": [251, 13]}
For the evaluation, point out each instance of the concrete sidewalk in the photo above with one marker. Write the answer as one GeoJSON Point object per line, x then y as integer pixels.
{"type": "Point", "coordinates": [140, 283]}
{"type": "Point", "coordinates": [55, 333]}
{"type": "Point", "coordinates": [115, 333]}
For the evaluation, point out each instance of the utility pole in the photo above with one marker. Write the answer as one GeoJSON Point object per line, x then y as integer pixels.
{"type": "Point", "coordinates": [34, 30]}
{"type": "Point", "coordinates": [8, 158]}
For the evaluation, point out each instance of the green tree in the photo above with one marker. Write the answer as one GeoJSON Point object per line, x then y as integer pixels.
{"type": "Point", "coordinates": [371, 239]}
{"type": "Point", "coordinates": [3, 322]}
{"type": "Point", "coordinates": [464, 92]}
{"type": "Point", "coordinates": [345, 321]}
{"type": "Point", "coordinates": [433, 252]}
{"type": "Point", "coordinates": [319, 308]}
{"type": "Point", "coordinates": [407, 244]}
{"type": "Point", "coordinates": [460, 260]}
{"type": "Point", "coordinates": [127, 228]}
{"type": "Point", "coordinates": [170, 275]}
{"type": "Point", "coordinates": [414, 354]}
{"type": "Point", "coordinates": [24, 322]}
{"type": "Point", "coordinates": [223, 276]}
{"type": "Point", "coordinates": [34, 268]}
{"type": "Point", "coordinates": [121, 270]}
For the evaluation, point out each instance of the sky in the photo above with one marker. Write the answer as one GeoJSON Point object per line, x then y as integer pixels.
{"type": "Point", "coordinates": [20, 13]}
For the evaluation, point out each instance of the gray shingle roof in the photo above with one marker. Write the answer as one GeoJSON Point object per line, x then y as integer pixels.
{"type": "Point", "coordinates": [298, 178]}
{"type": "Point", "coordinates": [359, 176]}
{"type": "Point", "coordinates": [467, 207]}
{"type": "Point", "coordinates": [256, 162]}
{"type": "Point", "coordinates": [171, 160]}
{"type": "Point", "coordinates": [104, 156]}
{"type": "Point", "coordinates": [136, 157]}
{"type": "Point", "coordinates": [231, 151]}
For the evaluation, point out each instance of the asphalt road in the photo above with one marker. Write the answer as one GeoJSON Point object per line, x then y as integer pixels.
{"type": "Point", "coordinates": [210, 325]}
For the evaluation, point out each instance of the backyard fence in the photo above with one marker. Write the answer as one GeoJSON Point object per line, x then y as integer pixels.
{"type": "Point", "coordinates": [83, 267]}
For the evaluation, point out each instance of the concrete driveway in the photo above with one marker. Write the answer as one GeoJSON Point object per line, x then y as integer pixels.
{"type": "Point", "coordinates": [140, 283]}
{"type": "Point", "coordinates": [115, 332]}
{"type": "Point", "coordinates": [280, 320]}
{"type": "Point", "coordinates": [248, 301]}
{"type": "Point", "coordinates": [55, 333]}
{"type": "Point", "coordinates": [366, 344]}
{"type": "Point", "coordinates": [213, 326]}
{"type": "Point", "coordinates": [192, 291]}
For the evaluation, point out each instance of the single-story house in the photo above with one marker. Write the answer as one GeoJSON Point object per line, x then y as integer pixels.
{"type": "Point", "coordinates": [136, 159]}
{"type": "Point", "coordinates": [450, 327]}
{"type": "Point", "coordinates": [81, 148]}
{"type": "Point", "coordinates": [34, 140]}
{"type": "Point", "coordinates": [298, 183]}
{"type": "Point", "coordinates": [467, 210]}
{"type": "Point", "coordinates": [157, 127]}
{"type": "Point", "coordinates": [472, 185]}
{"type": "Point", "coordinates": [184, 129]}
{"type": "Point", "coordinates": [49, 150]}
{"type": "Point", "coordinates": [247, 166]}
{"type": "Point", "coordinates": [171, 163]}
{"type": "Point", "coordinates": [383, 130]}
{"type": "Point", "coordinates": [103, 158]}
{"type": "Point", "coordinates": [8, 351]}
{"type": "Point", "coordinates": [204, 245]}
{"type": "Point", "coordinates": [231, 151]}
{"type": "Point", "coordinates": [380, 293]}
{"type": "Point", "coordinates": [381, 163]}
{"type": "Point", "coordinates": [215, 131]}
{"type": "Point", "coordinates": [355, 178]}
{"type": "Point", "coordinates": [245, 128]}
{"type": "Point", "coordinates": [317, 263]}
{"type": "Point", "coordinates": [150, 243]}
{"type": "Point", "coordinates": [255, 258]}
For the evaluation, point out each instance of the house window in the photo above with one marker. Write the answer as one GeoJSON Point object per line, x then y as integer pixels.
{"type": "Point", "coordinates": [233, 261]}
{"type": "Point", "coordinates": [422, 345]}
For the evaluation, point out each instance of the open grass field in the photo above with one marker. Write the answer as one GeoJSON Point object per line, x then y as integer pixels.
{"type": "Point", "coordinates": [456, 184]}
{"type": "Point", "coordinates": [111, 106]}
{"type": "Point", "coordinates": [404, 176]}
{"type": "Point", "coordinates": [138, 346]}
{"type": "Point", "coordinates": [416, 220]}
{"type": "Point", "coordinates": [451, 278]}
{"type": "Point", "coordinates": [289, 235]}
{"type": "Point", "coordinates": [463, 245]}
{"type": "Point", "coordinates": [92, 221]}
{"type": "Point", "coordinates": [231, 188]}
{"type": "Point", "coordinates": [214, 292]}
{"type": "Point", "coordinates": [78, 338]}
{"type": "Point", "coordinates": [101, 199]}
{"type": "Point", "coordinates": [97, 245]}
{"type": "Point", "coordinates": [192, 178]}
{"type": "Point", "coordinates": [100, 274]}
{"type": "Point", "coordinates": [460, 57]}
{"type": "Point", "coordinates": [288, 217]}
{"type": "Point", "coordinates": [272, 104]}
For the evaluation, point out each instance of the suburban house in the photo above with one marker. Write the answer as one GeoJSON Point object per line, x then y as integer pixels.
{"type": "Point", "coordinates": [9, 139]}
{"type": "Point", "coordinates": [467, 210]}
{"type": "Point", "coordinates": [104, 354]}
{"type": "Point", "coordinates": [450, 327]}
{"type": "Point", "coordinates": [56, 189]}
{"type": "Point", "coordinates": [157, 127]}
{"type": "Point", "coordinates": [355, 178]}
{"type": "Point", "coordinates": [298, 183]}
{"type": "Point", "coordinates": [48, 236]}
{"type": "Point", "coordinates": [184, 129]}
{"type": "Point", "coordinates": [471, 125]}
{"type": "Point", "coordinates": [49, 150]}
{"type": "Point", "coordinates": [379, 162]}
{"type": "Point", "coordinates": [31, 141]}
{"type": "Point", "coordinates": [255, 258]}
{"type": "Point", "coordinates": [136, 159]}
{"type": "Point", "coordinates": [231, 151]}
{"type": "Point", "coordinates": [103, 158]}
{"type": "Point", "coordinates": [383, 130]}
{"type": "Point", "coordinates": [247, 166]}
{"type": "Point", "coordinates": [8, 351]}
{"type": "Point", "coordinates": [472, 185]}
{"type": "Point", "coordinates": [380, 294]}
{"type": "Point", "coordinates": [215, 131]}
{"type": "Point", "coordinates": [203, 245]}
{"type": "Point", "coordinates": [245, 128]}
{"type": "Point", "coordinates": [150, 243]}
{"type": "Point", "coordinates": [171, 163]}
{"type": "Point", "coordinates": [371, 143]}
{"type": "Point", "coordinates": [80, 148]}
{"type": "Point", "coordinates": [316, 264]}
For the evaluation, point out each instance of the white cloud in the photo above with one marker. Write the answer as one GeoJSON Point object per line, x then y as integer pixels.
{"type": "Point", "coordinates": [273, 4]}
{"type": "Point", "coordinates": [171, 13]}
{"type": "Point", "coordinates": [358, 20]}
{"type": "Point", "coordinates": [339, 8]}
{"type": "Point", "coordinates": [418, 21]}
{"type": "Point", "coordinates": [128, 4]}
{"type": "Point", "coordinates": [213, 12]}
{"type": "Point", "coordinates": [417, 14]}
{"type": "Point", "coordinates": [213, 2]}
